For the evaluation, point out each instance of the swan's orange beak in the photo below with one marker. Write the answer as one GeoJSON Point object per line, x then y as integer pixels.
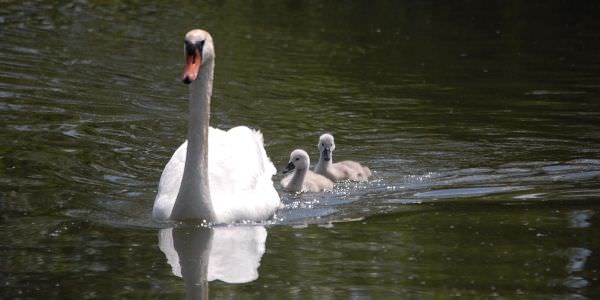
{"type": "Point", "coordinates": [192, 66]}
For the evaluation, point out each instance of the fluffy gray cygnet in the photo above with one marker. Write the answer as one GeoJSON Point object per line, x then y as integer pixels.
{"type": "Point", "coordinates": [302, 179]}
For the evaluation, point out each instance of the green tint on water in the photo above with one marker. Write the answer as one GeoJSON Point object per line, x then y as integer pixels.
{"type": "Point", "coordinates": [480, 120]}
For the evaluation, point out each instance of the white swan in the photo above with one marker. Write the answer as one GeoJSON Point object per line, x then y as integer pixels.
{"type": "Point", "coordinates": [343, 170]}
{"type": "Point", "coordinates": [216, 176]}
{"type": "Point", "coordinates": [302, 179]}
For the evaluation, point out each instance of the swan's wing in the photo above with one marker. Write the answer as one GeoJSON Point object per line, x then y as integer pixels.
{"type": "Point", "coordinates": [236, 159]}
{"type": "Point", "coordinates": [240, 175]}
{"type": "Point", "coordinates": [168, 187]}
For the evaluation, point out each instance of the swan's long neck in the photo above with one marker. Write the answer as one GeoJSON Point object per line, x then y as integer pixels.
{"type": "Point", "coordinates": [323, 164]}
{"type": "Point", "coordinates": [193, 200]}
{"type": "Point", "coordinates": [298, 179]}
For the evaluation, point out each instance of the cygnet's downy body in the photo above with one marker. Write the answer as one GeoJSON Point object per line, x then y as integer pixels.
{"type": "Point", "coordinates": [344, 170]}
{"type": "Point", "coordinates": [302, 179]}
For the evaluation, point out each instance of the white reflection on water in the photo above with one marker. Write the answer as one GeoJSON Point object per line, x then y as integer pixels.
{"type": "Point", "coordinates": [199, 255]}
{"type": "Point", "coordinates": [577, 259]}
{"type": "Point", "coordinates": [578, 256]}
{"type": "Point", "coordinates": [580, 218]}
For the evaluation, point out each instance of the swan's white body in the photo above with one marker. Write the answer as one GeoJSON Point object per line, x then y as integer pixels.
{"type": "Point", "coordinates": [240, 188]}
{"type": "Point", "coordinates": [217, 176]}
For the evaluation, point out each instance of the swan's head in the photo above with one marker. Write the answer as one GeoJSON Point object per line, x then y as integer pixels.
{"type": "Point", "coordinates": [198, 50]}
{"type": "Point", "coordinates": [326, 146]}
{"type": "Point", "coordinates": [298, 160]}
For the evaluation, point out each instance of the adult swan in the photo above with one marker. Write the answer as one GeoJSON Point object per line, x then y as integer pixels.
{"type": "Point", "coordinates": [215, 176]}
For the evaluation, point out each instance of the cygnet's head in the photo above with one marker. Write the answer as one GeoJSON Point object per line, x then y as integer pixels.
{"type": "Point", "coordinates": [198, 50]}
{"type": "Point", "coordinates": [298, 160]}
{"type": "Point", "coordinates": [326, 146]}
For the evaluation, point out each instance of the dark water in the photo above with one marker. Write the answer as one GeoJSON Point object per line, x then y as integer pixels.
{"type": "Point", "coordinates": [480, 120]}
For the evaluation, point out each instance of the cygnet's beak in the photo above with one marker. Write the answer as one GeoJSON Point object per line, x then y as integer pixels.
{"type": "Point", "coordinates": [193, 60]}
{"type": "Point", "coordinates": [290, 166]}
{"type": "Point", "coordinates": [327, 154]}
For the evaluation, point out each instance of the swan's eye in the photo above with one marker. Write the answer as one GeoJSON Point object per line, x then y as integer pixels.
{"type": "Point", "coordinates": [189, 48]}
{"type": "Point", "coordinates": [297, 159]}
{"type": "Point", "coordinates": [200, 45]}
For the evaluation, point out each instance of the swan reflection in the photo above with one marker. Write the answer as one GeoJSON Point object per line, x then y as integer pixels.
{"type": "Point", "coordinates": [199, 255]}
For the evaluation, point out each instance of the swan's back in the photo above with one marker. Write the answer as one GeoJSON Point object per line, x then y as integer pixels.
{"type": "Point", "coordinates": [239, 176]}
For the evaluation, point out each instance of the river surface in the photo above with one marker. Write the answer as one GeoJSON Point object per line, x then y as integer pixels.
{"type": "Point", "coordinates": [481, 122]}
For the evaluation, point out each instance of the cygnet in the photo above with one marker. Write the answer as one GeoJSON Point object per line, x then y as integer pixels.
{"type": "Point", "coordinates": [343, 170]}
{"type": "Point", "coordinates": [302, 179]}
